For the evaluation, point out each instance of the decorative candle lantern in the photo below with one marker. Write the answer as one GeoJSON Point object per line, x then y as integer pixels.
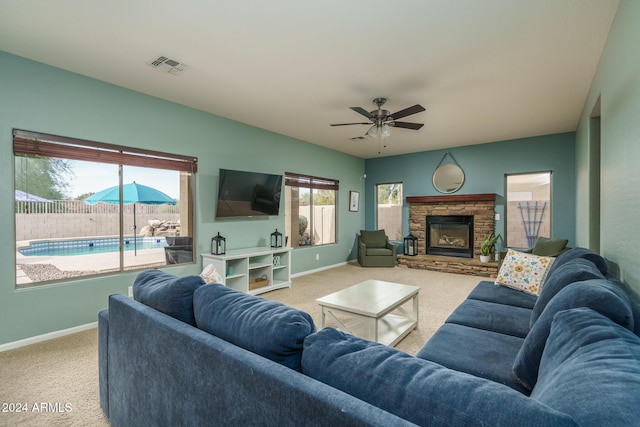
{"type": "Point", "coordinates": [218, 245]}
{"type": "Point", "coordinates": [276, 239]}
{"type": "Point", "coordinates": [411, 245]}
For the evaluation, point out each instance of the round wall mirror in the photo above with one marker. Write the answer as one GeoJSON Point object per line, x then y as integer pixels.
{"type": "Point", "coordinates": [448, 178]}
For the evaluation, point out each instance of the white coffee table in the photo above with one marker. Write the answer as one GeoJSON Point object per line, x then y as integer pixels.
{"type": "Point", "coordinates": [372, 310]}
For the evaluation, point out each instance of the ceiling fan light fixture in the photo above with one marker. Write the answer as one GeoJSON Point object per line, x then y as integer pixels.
{"type": "Point", "coordinates": [372, 132]}
{"type": "Point", "coordinates": [379, 131]}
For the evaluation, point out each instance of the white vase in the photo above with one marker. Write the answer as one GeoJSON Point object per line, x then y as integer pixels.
{"type": "Point", "coordinates": [485, 258]}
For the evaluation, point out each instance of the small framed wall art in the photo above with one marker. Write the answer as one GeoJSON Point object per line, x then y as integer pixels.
{"type": "Point", "coordinates": [354, 201]}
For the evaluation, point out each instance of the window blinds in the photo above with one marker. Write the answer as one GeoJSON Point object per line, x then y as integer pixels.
{"type": "Point", "coordinates": [39, 144]}
{"type": "Point", "coordinates": [296, 180]}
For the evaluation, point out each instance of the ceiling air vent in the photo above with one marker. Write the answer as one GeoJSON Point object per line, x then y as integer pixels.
{"type": "Point", "coordinates": [168, 65]}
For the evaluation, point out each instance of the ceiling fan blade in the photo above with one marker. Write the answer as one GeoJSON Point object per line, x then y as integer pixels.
{"type": "Point", "coordinates": [348, 124]}
{"type": "Point", "coordinates": [363, 112]}
{"type": "Point", "coordinates": [407, 125]}
{"type": "Point", "coordinates": [408, 111]}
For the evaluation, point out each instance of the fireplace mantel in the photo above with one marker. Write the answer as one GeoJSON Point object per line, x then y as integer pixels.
{"type": "Point", "coordinates": [486, 197]}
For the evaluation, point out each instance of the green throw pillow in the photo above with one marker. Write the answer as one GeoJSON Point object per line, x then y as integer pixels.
{"type": "Point", "coordinates": [546, 246]}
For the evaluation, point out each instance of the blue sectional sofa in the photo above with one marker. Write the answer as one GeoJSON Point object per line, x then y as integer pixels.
{"type": "Point", "coordinates": [185, 353]}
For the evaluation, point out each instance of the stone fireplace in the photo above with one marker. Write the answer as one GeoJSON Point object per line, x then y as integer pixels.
{"type": "Point", "coordinates": [478, 209]}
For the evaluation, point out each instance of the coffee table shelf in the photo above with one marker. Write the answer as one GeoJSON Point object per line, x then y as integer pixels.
{"type": "Point", "coordinates": [372, 310]}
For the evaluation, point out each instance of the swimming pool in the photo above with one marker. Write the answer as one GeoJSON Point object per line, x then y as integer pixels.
{"type": "Point", "coordinates": [90, 246]}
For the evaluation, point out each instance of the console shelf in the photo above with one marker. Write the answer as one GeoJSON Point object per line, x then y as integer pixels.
{"type": "Point", "coordinates": [253, 270]}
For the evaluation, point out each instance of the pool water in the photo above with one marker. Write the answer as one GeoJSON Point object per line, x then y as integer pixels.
{"type": "Point", "coordinates": [90, 246]}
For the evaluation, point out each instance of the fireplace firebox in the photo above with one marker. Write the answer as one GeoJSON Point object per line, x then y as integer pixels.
{"type": "Point", "coordinates": [450, 235]}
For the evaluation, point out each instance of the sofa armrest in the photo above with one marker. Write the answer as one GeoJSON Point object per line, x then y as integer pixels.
{"type": "Point", "coordinates": [391, 246]}
{"type": "Point", "coordinates": [362, 249]}
{"type": "Point", "coordinates": [361, 244]}
{"type": "Point", "coordinates": [103, 359]}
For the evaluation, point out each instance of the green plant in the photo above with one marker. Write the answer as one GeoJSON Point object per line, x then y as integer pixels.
{"type": "Point", "coordinates": [488, 244]}
{"type": "Point", "coordinates": [303, 223]}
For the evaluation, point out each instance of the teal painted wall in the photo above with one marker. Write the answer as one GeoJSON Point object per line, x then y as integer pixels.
{"type": "Point", "coordinates": [617, 82]}
{"type": "Point", "coordinates": [484, 166]}
{"type": "Point", "coordinates": [41, 98]}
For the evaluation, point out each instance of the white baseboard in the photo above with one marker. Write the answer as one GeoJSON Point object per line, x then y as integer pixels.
{"type": "Point", "coordinates": [46, 337]}
{"type": "Point", "coordinates": [315, 270]}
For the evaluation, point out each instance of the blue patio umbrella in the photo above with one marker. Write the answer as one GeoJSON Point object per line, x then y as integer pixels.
{"type": "Point", "coordinates": [131, 194]}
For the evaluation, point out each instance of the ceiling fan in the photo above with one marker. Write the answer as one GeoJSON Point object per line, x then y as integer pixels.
{"type": "Point", "coordinates": [382, 120]}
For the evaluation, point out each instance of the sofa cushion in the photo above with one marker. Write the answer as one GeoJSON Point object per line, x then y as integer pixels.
{"type": "Point", "coordinates": [575, 253]}
{"type": "Point", "coordinates": [590, 369]}
{"type": "Point", "coordinates": [169, 294]}
{"type": "Point", "coordinates": [417, 390]}
{"type": "Point", "coordinates": [524, 272]}
{"type": "Point", "coordinates": [575, 270]}
{"type": "Point", "coordinates": [268, 328]}
{"type": "Point", "coordinates": [598, 294]}
{"type": "Point", "coordinates": [491, 316]}
{"type": "Point", "coordinates": [490, 292]}
{"type": "Point", "coordinates": [485, 354]}
{"type": "Point", "coordinates": [373, 239]}
{"type": "Point", "coordinates": [546, 246]}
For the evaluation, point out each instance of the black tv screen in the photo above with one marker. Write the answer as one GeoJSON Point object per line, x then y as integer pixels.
{"type": "Point", "coordinates": [247, 194]}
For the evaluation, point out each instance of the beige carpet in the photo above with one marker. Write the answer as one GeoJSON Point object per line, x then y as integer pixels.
{"type": "Point", "coordinates": [58, 372]}
{"type": "Point", "coordinates": [440, 293]}
{"type": "Point", "coordinates": [62, 373]}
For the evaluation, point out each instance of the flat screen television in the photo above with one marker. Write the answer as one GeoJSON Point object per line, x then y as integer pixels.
{"type": "Point", "coordinates": [248, 194]}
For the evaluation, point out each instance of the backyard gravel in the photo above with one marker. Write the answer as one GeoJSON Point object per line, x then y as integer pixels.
{"type": "Point", "coordinates": [46, 272]}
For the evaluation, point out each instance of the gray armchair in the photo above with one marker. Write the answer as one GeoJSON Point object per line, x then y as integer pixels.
{"type": "Point", "coordinates": [375, 250]}
{"type": "Point", "coordinates": [179, 249]}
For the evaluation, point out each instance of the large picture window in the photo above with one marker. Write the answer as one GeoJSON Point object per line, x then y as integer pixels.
{"type": "Point", "coordinates": [389, 209]}
{"type": "Point", "coordinates": [85, 208]}
{"type": "Point", "coordinates": [310, 214]}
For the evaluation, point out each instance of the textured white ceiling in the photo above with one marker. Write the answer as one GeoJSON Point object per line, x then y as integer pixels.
{"type": "Point", "coordinates": [486, 70]}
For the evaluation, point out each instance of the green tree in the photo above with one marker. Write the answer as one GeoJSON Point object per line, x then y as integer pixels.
{"type": "Point", "coordinates": [324, 198]}
{"type": "Point", "coordinates": [43, 176]}
{"type": "Point", "coordinates": [304, 197]}
{"type": "Point", "coordinates": [389, 194]}
{"type": "Point", "coordinates": [320, 197]}
{"type": "Point", "coordinates": [84, 196]}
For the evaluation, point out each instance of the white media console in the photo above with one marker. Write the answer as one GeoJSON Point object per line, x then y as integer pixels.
{"type": "Point", "coordinates": [253, 270]}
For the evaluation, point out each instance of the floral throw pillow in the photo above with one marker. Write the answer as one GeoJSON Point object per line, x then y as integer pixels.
{"type": "Point", "coordinates": [524, 272]}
